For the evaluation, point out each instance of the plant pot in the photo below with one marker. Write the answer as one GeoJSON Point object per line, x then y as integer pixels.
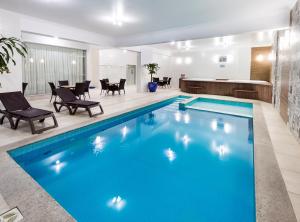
{"type": "Point", "coordinates": [152, 86]}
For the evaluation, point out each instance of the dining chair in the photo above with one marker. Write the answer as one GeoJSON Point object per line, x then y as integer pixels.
{"type": "Point", "coordinates": [169, 82]}
{"type": "Point", "coordinates": [79, 89]}
{"type": "Point", "coordinates": [87, 87]}
{"type": "Point", "coordinates": [63, 82]}
{"type": "Point", "coordinates": [122, 85]}
{"type": "Point", "coordinates": [104, 86]}
{"type": "Point", "coordinates": [53, 91]}
{"type": "Point", "coordinates": [155, 79]}
{"type": "Point", "coordinates": [24, 86]}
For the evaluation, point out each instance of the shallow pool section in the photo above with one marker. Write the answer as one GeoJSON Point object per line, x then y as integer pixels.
{"type": "Point", "coordinates": [222, 106]}
{"type": "Point", "coordinates": [156, 164]}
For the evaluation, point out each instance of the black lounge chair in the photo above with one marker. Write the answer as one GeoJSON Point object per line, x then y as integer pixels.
{"type": "Point", "coordinates": [16, 106]}
{"type": "Point", "coordinates": [53, 91]}
{"type": "Point", "coordinates": [69, 100]}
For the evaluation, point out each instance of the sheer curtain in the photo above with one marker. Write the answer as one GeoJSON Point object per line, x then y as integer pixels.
{"type": "Point", "coordinates": [46, 63]}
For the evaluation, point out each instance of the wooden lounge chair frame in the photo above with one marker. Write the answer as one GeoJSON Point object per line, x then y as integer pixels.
{"type": "Point", "coordinates": [69, 100]}
{"type": "Point", "coordinates": [23, 106]}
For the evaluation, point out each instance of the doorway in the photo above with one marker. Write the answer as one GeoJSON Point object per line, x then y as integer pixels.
{"type": "Point", "coordinates": [131, 75]}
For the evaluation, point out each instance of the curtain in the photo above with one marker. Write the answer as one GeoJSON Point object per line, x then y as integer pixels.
{"type": "Point", "coordinates": [46, 63]}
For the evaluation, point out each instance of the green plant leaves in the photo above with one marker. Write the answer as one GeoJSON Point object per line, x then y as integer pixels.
{"type": "Point", "coordinates": [9, 46]}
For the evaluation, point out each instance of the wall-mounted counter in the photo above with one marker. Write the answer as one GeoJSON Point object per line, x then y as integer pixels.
{"type": "Point", "coordinates": [248, 89]}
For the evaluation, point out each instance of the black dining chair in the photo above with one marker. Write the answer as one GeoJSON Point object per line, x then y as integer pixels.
{"type": "Point", "coordinates": [169, 82]}
{"type": "Point", "coordinates": [104, 86]}
{"type": "Point", "coordinates": [79, 90]}
{"type": "Point", "coordinates": [164, 82]}
{"type": "Point", "coordinates": [106, 80]}
{"type": "Point", "coordinates": [121, 85]}
{"type": "Point", "coordinates": [87, 87]}
{"type": "Point", "coordinates": [155, 79]}
{"type": "Point", "coordinates": [63, 83]}
{"type": "Point", "coordinates": [24, 86]}
{"type": "Point", "coordinates": [53, 91]}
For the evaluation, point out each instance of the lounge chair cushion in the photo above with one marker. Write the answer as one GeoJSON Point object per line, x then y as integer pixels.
{"type": "Point", "coordinates": [31, 113]}
{"type": "Point", "coordinates": [83, 103]}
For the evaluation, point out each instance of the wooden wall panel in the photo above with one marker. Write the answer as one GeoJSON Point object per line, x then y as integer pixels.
{"type": "Point", "coordinates": [261, 70]}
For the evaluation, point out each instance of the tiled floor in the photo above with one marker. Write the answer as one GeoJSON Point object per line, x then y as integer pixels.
{"type": "Point", "coordinates": [111, 105]}
{"type": "Point", "coordinates": [287, 149]}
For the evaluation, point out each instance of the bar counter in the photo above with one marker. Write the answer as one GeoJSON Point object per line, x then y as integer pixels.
{"type": "Point", "coordinates": [248, 89]}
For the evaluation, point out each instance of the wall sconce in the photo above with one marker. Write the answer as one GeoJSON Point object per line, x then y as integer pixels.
{"type": "Point", "coordinates": [179, 60]}
{"type": "Point", "coordinates": [260, 58]}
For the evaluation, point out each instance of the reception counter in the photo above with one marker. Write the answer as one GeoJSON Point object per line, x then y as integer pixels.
{"type": "Point", "coordinates": [248, 89]}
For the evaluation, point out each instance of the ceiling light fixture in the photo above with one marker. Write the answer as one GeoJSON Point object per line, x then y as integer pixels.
{"type": "Point", "coordinates": [172, 43]}
{"type": "Point", "coordinates": [179, 45]}
{"type": "Point", "coordinates": [118, 17]}
{"type": "Point", "coordinates": [224, 42]}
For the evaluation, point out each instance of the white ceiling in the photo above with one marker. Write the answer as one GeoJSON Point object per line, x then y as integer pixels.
{"type": "Point", "coordinates": [250, 39]}
{"type": "Point", "coordinates": [158, 21]}
{"type": "Point", "coordinates": [149, 16]}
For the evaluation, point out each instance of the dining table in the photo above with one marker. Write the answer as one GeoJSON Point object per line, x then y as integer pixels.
{"type": "Point", "coordinates": [67, 86]}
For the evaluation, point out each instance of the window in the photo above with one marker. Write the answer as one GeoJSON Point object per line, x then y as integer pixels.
{"type": "Point", "coordinates": [46, 63]}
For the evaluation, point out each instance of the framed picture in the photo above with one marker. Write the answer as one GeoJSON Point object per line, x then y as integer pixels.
{"type": "Point", "coordinates": [222, 59]}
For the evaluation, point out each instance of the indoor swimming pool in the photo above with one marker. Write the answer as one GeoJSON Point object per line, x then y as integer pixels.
{"type": "Point", "coordinates": [155, 164]}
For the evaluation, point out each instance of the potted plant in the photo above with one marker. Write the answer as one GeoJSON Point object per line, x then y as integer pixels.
{"type": "Point", "coordinates": [152, 69]}
{"type": "Point", "coordinates": [8, 47]}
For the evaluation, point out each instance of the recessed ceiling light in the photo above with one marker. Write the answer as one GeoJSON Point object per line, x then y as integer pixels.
{"type": "Point", "coordinates": [188, 43]}
{"type": "Point", "coordinates": [118, 17]}
{"type": "Point", "coordinates": [172, 43]}
{"type": "Point", "coordinates": [179, 45]}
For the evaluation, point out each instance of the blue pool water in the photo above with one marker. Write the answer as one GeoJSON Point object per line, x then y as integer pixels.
{"type": "Point", "coordinates": [222, 106]}
{"type": "Point", "coordinates": [157, 164]}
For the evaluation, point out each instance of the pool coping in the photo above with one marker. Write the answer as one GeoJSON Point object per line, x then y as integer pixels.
{"type": "Point", "coordinates": [272, 200]}
{"type": "Point", "coordinates": [184, 105]}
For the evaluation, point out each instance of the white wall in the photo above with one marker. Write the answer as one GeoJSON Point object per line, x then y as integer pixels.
{"type": "Point", "coordinates": [113, 63]}
{"type": "Point", "coordinates": [164, 60]}
{"type": "Point", "coordinates": [204, 64]}
{"type": "Point", "coordinates": [10, 26]}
